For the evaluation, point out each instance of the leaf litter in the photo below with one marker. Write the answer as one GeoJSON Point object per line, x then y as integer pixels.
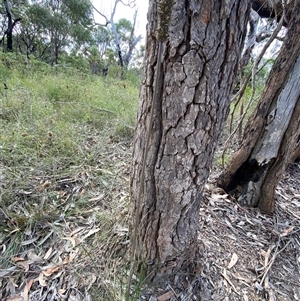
{"type": "Point", "coordinates": [64, 232]}
{"type": "Point", "coordinates": [65, 237]}
{"type": "Point", "coordinates": [246, 255]}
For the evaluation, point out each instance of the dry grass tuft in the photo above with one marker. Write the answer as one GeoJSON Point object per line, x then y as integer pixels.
{"type": "Point", "coordinates": [64, 232]}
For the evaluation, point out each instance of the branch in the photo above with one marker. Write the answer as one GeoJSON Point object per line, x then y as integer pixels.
{"type": "Point", "coordinates": [131, 48]}
{"type": "Point", "coordinates": [102, 15]}
{"type": "Point", "coordinates": [115, 32]}
{"type": "Point", "coordinates": [251, 74]}
{"type": "Point", "coordinates": [8, 12]}
{"type": "Point", "coordinates": [132, 41]}
{"type": "Point", "coordinates": [262, 36]}
{"type": "Point", "coordinates": [251, 39]}
{"type": "Point", "coordinates": [16, 21]}
{"type": "Point", "coordinates": [131, 3]}
{"type": "Point", "coordinates": [274, 9]}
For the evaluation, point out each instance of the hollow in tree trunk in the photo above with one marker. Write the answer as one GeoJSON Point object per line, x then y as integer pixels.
{"type": "Point", "coordinates": [272, 134]}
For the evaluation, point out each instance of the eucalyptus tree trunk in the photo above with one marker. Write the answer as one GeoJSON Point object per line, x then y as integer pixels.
{"type": "Point", "coordinates": [184, 101]}
{"type": "Point", "coordinates": [272, 135]}
{"type": "Point", "coordinates": [132, 43]}
{"type": "Point", "coordinates": [10, 26]}
{"type": "Point", "coordinates": [113, 26]}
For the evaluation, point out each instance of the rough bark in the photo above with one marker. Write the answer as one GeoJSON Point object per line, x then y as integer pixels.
{"type": "Point", "coordinates": [255, 169]}
{"type": "Point", "coordinates": [296, 154]}
{"type": "Point", "coordinates": [290, 146]}
{"type": "Point", "coordinates": [188, 91]}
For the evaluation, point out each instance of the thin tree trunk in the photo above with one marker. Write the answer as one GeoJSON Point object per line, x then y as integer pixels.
{"type": "Point", "coordinates": [10, 26]}
{"type": "Point", "coordinates": [187, 92]}
{"type": "Point", "coordinates": [251, 40]}
{"type": "Point", "coordinates": [132, 41]}
{"type": "Point", "coordinates": [113, 26]}
{"type": "Point", "coordinates": [255, 169]}
{"type": "Point", "coordinates": [117, 42]}
{"type": "Point", "coordinates": [289, 146]}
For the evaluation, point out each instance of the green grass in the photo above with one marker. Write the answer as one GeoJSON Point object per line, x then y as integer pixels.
{"type": "Point", "coordinates": [64, 157]}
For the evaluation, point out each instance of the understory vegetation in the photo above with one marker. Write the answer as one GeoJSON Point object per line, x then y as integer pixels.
{"type": "Point", "coordinates": [65, 153]}
{"type": "Point", "coordinates": [64, 147]}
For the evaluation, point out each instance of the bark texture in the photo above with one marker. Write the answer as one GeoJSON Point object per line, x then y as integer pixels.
{"type": "Point", "coordinates": [271, 137]}
{"type": "Point", "coordinates": [289, 147]}
{"type": "Point", "coordinates": [193, 81]}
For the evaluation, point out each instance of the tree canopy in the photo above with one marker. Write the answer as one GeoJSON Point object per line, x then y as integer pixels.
{"type": "Point", "coordinates": [51, 29]}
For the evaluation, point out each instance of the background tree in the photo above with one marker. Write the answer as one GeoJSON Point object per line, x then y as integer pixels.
{"type": "Point", "coordinates": [52, 30]}
{"type": "Point", "coordinates": [65, 23]}
{"type": "Point", "coordinates": [253, 71]}
{"type": "Point", "coordinates": [271, 138]}
{"type": "Point", "coordinates": [95, 60]}
{"type": "Point", "coordinates": [102, 39]}
{"type": "Point", "coordinates": [125, 40]}
{"type": "Point", "coordinates": [49, 27]}
{"type": "Point", "coordinates": [10, 26]}
{"type": "Point", "coordinates": [128, 41]}
{"type": "Point", "coordinates": [192, 54]}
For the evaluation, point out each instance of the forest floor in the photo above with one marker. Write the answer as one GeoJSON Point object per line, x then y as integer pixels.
{"type": "Point", "coordinates": [64, 236]}
{"type": "Point", "coordinates": [246, 255]}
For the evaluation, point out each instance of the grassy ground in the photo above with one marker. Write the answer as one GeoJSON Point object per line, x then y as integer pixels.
{"type": "Point", "coordinates": [64, 169]}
